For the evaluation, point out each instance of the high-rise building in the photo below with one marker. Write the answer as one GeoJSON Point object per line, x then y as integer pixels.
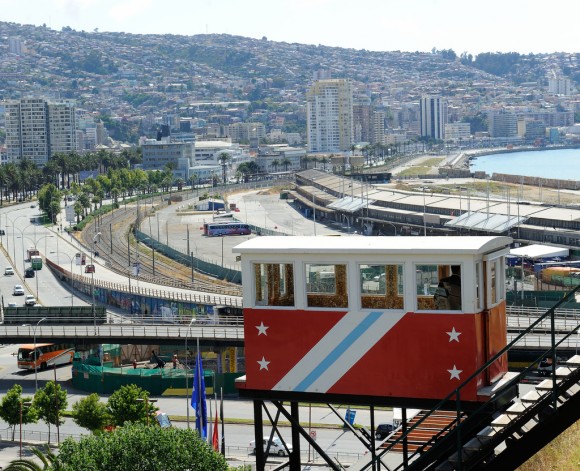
{"type": "Point", "coordinates": [433, 117]}
{"type": "Point", "coordinates": [378, 136]}
{"type": "Point", "coordinates": [559, 85]}
{"type": "Point", "coordinates": [15, 46]}
{"type": "Point", "coordinates": [329, 116]}
{"type": "Point", "coordinates": [36, 129]}
{"type": "Point", "coordinates": [502, 124]}
{"type": "Point", "coordinates": [362, 118]}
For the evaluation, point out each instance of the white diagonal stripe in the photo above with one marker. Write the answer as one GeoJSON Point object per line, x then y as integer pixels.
{"type": "Point", "coordinates": [346, 343]}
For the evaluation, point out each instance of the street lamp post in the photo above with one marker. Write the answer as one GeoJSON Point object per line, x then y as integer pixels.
{"type": "Point", "coordinates": [22, 404]}
{"type": "Point", "coordinates": [187, 366]}
{"type": "Point", "coordinates": [95, 239]}
{"type": "Point", "coordinates": [35, 355]}
{"type": "Point", "coordinates": [13, 241]}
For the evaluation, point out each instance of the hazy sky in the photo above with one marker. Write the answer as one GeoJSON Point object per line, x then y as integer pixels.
{"type": "Point", "coordinates": [381, 25]}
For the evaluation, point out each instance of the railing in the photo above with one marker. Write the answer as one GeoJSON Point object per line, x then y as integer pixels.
{"type": "Point", "coordinates": [135, 331]}
{"type": "Point", "coordinates": [184, 296]}
{"type": "Point", "coordinates": [455, 396]}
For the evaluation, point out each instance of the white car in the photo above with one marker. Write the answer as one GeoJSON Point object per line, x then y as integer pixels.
{"type": "Point", "coordinates": [9, 271]}
{"type": "Point", "coordinates": [18, 290]}
{"type": "Point", "coordinates": [29, 300]}
{"type": "Point", "coordinates": [276, 447]}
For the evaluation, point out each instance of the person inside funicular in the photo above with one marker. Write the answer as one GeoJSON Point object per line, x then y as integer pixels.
{"type": "Point", "coordinates": [448, 293]}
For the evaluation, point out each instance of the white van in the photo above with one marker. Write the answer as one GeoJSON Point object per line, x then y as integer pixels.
{"type": "Point", "coordinates": [276, 447]}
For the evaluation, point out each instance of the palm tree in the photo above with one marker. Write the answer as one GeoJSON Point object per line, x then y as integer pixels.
{"type": "Point", "coordinates": [275, 163]}
{"type": "Point", "coordinates": [285, 162]}
{"type": "Point", "coordinates": [223, 158]}
{"type": "Point", "coordinates": [48, 459]}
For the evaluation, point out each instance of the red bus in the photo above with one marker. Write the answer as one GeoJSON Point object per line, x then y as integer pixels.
{"type": "Point", "coordinates": [47, 354]}
{"type": "Point", "coordinates": [225, 228]}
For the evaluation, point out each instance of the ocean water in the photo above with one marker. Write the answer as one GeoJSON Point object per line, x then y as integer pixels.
{"type": "Point", "coordinates": [562, 164]}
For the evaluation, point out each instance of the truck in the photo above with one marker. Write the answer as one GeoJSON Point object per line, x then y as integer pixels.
{"type": "Point", "coordinates": [32, 251]}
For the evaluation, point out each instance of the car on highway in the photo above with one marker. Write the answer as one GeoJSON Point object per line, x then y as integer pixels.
{"type": "Point", "coordinates": [29, 300]}
{"type": "Point", "coordinates": [18, 290]}
{"type": "Point", "coordinates": [276, 447]}
{"type": "Point", "coordinates": [9, 271]}
{"type": "Point", "coordinates": [12, 304]}
{"type": "Point", "coordinates": [29, 272]}
{"type": "Point", "coordinates": [383, 430]}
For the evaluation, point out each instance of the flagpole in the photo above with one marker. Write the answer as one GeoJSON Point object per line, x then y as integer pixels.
{"type": "Point", "coordinates": [223, 447]}
{"type": "Point", "coordinates": [210, 430]}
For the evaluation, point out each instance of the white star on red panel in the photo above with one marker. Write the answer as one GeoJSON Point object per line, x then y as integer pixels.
{"type": "Point", "coordinates": [263, 364]}
{"type": "Point", "coordinates": [455, 373]}
{"type": "Point", "coordinates": [454, 335]}
{"type": "Point", "coordinates": [262, 329]}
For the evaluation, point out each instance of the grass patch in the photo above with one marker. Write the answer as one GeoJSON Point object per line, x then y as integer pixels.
{"type": "Point", "coordinates": [414, 171]}
{"type": "Point", "coordinates": [562, 454]}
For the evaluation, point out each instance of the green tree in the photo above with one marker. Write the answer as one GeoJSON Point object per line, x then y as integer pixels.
{"type": "Point", "coordinates": [51, 402]}
{"type": "Point", "coordinates": [124, 406]}
{"type": "Point", "coordinates": [138, 447]}
{"type": "Point", "coordinates": [48, 195]}
{"type": "Point", "coordinates": [91, 414]}
{"type": "Point", "coordinates": [10, 409]}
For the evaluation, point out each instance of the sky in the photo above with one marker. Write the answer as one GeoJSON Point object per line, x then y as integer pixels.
{"type": "Point", "coordinates": [524, 26]}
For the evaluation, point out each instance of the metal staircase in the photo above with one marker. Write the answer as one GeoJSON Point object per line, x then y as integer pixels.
{"type": "Point", "coordinates": [504, 431]}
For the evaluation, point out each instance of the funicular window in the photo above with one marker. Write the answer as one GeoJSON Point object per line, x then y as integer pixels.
{"type": "Point", "coordinates": [381, 286]}
{"type": "Point", "coordinates": [326, 285]}
{"type": "Point", "coordinates": [495, 281]}
{"type": "Point", "coordinates": [438, 287]}
{"type": "Point", "coordinates": [274, 284]}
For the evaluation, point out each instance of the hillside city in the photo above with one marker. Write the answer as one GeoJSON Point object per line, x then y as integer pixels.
{"type": "Point", "coordinates": [132, 115]}
{"type": "Point", "coordinates": [239, 93]}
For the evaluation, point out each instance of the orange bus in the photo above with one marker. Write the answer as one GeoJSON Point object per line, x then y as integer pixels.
{"type": "Point", "coordinates": [46, 354]}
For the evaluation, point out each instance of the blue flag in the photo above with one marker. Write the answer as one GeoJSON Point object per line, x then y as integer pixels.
{"type": "Point", "coordinates": [198, 399]}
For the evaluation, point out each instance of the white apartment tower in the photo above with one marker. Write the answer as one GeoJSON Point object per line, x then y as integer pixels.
{"type": "Point", "coordinates": [37, 129]}
{"type": "Point", "coordinates": [433, 117]}
{"type": "Point", "coordinates": [330, 116]}
{"type": "Point", "coordinates": [560, 86]}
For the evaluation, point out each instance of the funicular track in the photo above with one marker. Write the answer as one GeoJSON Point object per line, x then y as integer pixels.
{"type": "Point", "coordinates": [478, 439]}
{"type": "Point", "coordinates": [117, 246]}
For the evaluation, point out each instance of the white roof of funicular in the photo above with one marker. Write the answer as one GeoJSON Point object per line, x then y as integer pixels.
{"type": "Point", "coordinates": [370, 245]}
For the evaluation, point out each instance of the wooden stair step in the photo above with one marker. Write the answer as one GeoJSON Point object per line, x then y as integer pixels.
{"type": "Point", "coordinates": [574, 361]}
{"type": "Point", "coordinates": [531, 396]}
{"type": "Point", "coordinates": [487, 434]}
{"type": "Point", "coordinates": [502, 421]}
{"type": "Point", "coordinates": [564, 371]}
{"type": "Point", "coordinates": [547, 385]}
{"type": "Point", "coordinates": [445, 466]}
{"type": "Point", "coordinates": [488, 391]}
{"type": "Point", "coordinates": [517, 408]}
{"type": "Point", "coordinates": [474, 444]}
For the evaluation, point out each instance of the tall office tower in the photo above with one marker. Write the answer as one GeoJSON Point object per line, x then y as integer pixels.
{"type": "Point", "coordinates": [362, 118]}
{"type": "Point", "coordinates": [502, 124]}
{"type": "Point", "coordinates": [37, 129]}
{"type": "Point", "coordinates": [378, 136]}
{"type": "Point", "coordinates": [433, 117]}
{"type": "Point", "coordinates": [329, 116]}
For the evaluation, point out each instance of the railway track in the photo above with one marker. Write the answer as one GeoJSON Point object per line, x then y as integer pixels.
{"type": "Point", "coordinates": [121, 251]}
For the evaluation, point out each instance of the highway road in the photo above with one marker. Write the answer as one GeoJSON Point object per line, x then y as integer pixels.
{"type": "Point", "coordinates": [330, 435]}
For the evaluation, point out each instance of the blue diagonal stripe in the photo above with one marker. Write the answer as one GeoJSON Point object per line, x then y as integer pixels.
{"type": "Point", "coordinates": [326, 362]}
